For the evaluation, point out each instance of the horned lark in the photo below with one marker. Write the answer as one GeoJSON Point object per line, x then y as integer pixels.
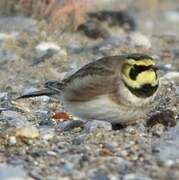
{"type": "Point", "coordinates": [119, 89]}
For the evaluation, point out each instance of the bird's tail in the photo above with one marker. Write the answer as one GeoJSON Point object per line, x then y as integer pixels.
{"type": "Point", "coordinates": [43, 92]}
{"type": "Point", "coordinates": [51, 88]}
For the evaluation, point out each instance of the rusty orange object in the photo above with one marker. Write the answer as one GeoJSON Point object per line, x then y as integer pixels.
{"type": "Point", "coordinates": [105, 152]}
{"type": "Point", "coordinates": [63, 116]}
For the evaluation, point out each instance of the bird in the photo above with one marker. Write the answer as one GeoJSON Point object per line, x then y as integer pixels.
{"type": "Point", "coordinates": [119, 89]}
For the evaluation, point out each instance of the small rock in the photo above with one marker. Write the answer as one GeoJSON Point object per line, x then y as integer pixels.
{"type": "Point", "coordinates": [74, 47]}
{"type": "Point", "coordinates": [17, 24]}
{"type": "Point", "coordinates": [6, 55]}
{"type": "Point", "coordinates": [158, 130]}
{"type": "Point", "coordinates": [140, 40]}
{"type": "Point", "coordinates": [69, 125]}
{"type": "Point", "coordinates": [45, 46]}
{"type": "Point", "coordinates": [78, 140]}
{"type": "Point", "coordinates": [136, 177]}
{"type": "Point", "coordinates": [122, 164]}
{"type": "Point", "coordinates": [93, 29]}
{"type": "Point", "coordinates": [167, 118]}
{"type": "Point", "coordinates": [15, 119]}
{"type": "Point", "coordinates": [4, 100]}
{"type": "Point", "coordinates": [169, 163]}
{"type": "Point", "coordinates": [110, 145]}
{"type": "Point", "coordinates": [45, 50]}
{"type": "Point", "coordinates": [114, 18]}
{"type": "Point", "coordinates": [167, 68]}
{"type": "Point", "coordinates": [51, 153]}
{"type": "Point", "coordinates": [44, 117]}
{"type": "Point", "coordinates": [26, 132]}
{"type": "Point", "coordinates": [6, 36]}
{"type": "Point", "coordinates": [4, 96]}
{"type": "Point", "coordinates": [47, 133]}
{"type": "Point", "coordinates": [105, 152]}
{"type": "Point", "coordinates": [92, 126]}
{"type": "Point", "coordinates": [172, 16]}
{"type": "Point", "coordinates": [8, 172]}
{"type": "Point", "coordinates": [98, 174]}
{"type": "Point", "coordinates": [172, 76]}
{"type": "Point", "coordinates": [12, 140]}
{"type": "Point", "coordinates": [166, 148]}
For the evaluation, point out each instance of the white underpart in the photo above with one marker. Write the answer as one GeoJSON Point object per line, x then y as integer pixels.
{"type": "Point", "coordinates": [102, 108]}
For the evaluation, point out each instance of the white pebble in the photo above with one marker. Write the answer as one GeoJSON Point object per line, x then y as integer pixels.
{"type": "Point", "coordinates": [140, 40]}
{"type": "Point", "coordinates": [5, 36]}
{"type": "Point", "coordinates": [44, 46]}
{"type": "Point", "coordinates": [172, 76]}
{"type": "Point", "coordinates": [12, 140]}
{"type": "Point", "coordinates": [172, 16]}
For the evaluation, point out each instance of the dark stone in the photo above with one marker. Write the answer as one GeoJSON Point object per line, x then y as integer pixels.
{"type": "Point", "coordinates": [93, 29]}
{"type": "Point", "coordinates": [115, 18]}
{"type": "Point", "coordinates": [69, 125]}
{"type": "Point", "coordinates": [167, 118]}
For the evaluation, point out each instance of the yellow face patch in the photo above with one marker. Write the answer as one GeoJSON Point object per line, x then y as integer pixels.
{"type": "Point", "coordinates": [146, 77]}
{"type": "Point", "coordinates": [142, 77]}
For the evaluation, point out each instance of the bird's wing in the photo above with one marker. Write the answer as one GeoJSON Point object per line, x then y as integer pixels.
{"type": "Point", "coordinates": [94, 79]}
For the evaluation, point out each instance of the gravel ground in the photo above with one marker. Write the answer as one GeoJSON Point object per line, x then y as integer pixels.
{"type": "Point", "coordinates": [36, 146]}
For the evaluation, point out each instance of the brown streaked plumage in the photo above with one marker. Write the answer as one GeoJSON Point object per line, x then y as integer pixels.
{"type": "Point", "coordinates": [119, 89]}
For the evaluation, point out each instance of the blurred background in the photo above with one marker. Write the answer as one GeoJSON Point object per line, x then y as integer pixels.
{"type": "Point", "coordinates": [84, 30]}
{"type": "Point", "coordinates": [55, 11]}
{"type": "Point", "coordinates": [51, 39]}
{"type": "Point", "coordinates": [44, 40]}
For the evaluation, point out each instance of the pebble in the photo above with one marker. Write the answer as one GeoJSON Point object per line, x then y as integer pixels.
{"type": "Point", "coordinates": [17, 23]}
{"type": "Point", "coordinates": [45, 46]}
{"type": "Point", "coordinates": [12, 140]}
{"type": "Point", "coordinates": [4, 100]}
{"type": "Point", "coordinates": [110, 145]}
{"type": "Point", "coordinates": [46, 50]}
{"type": "Point", "coordinates": [25, 132]}
{"type": "Point", "coordinates": [169, 163]}
{"type": "Point", "coordinates": [9, 172]}
{"type": "Point", "coordinates": [167, 118]}
{"type": "Point", "coordinates": [69, 125]}
{"type": "Point", "coordinates": [78, 140]}
{"type": "Point", "coordinates": [49, 47]}
{"type": "Point", "coordinates": [166, 148]}
{"type": "Point", "coordinates": [135, 177]}
{"type": "Point", "coordinates": [6, 55]}
{"type": "Point", "coordinates": [96, 174]}
{"type": "Point", "coordinates": [5, 36]}
{"type": "Point", "coordinates": [158, 130]}
{"type": "Point", "coordinates": [92, 126]}
{"type": "Point", "coordinates": [73, 47]}
{"type": "Point", "coordinates": [4, 96]}
{"type": "Point", "coordinates": [172, 16]}
{"type": "Point", "coordinates": [172, 76]}
{"type": "Point", "coordinates": [15, 119]}
{"type": "Point", "coordinates": [140, 40]}
{"type": "Point", "coordinates": [47, 133]}
{"type": "Point", "coordinates": [105, 152]}
{"type": "Point", "coordinates": [44, 117]}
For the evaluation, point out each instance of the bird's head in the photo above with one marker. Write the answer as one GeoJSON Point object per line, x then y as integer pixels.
{"type": "Point", "coordinates": [139, 75]}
